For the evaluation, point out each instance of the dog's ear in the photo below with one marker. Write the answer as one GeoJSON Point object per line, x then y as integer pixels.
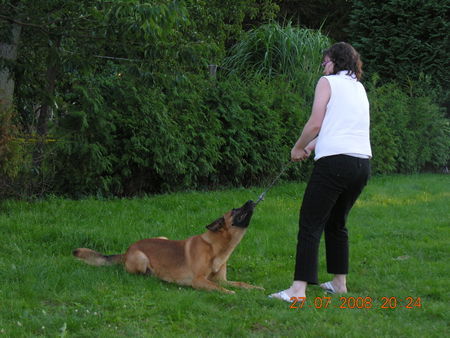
{"type": "Point", "coordinates": [216, 225]}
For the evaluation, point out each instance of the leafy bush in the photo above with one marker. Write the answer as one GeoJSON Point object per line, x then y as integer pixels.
{"type": "Point", "coordinates": [185, 132]}
{"type": "Point", "coordinates": [408, 130]}
{"type": "Point", "coordinates": [120, 138]}
{"type": "Point", "coordinates": [10, 148]}
{"type": "Point", "coordinates": [190, 132]}
{"type": "Point", "coordinates": [12, 152]}
{"type": "Point", "coordinates": [260, 122]}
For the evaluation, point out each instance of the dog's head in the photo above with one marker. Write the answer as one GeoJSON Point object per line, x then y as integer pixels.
{"type": "Point", "coordinates": [237, 219]}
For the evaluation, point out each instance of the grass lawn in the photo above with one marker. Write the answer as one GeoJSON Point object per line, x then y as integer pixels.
{"type": "Point", "coordinates": [399, 247]}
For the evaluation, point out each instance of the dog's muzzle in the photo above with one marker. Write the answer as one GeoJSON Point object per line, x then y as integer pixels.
{"type": "Point", "coordinates": [243, 215]}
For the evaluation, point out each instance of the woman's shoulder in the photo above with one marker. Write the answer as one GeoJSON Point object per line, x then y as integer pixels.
{"type": "Point", "coordinates": [326, 80]}
{"type": "Point", "coordinates": [323, 81]}
{"type": "Point", "coordinates": [329, 78]}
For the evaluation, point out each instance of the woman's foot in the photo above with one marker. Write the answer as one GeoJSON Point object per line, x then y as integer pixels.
{"type": "Point", "coordinates": [334, 287]}
{"type": "Point", "coordinates": [297, 289]}
{"type": "Point", "coordinates": [282, 295]}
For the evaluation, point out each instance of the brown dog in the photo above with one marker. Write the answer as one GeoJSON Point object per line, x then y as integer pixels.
{"type": "Point", "coordinates": [199, 261]}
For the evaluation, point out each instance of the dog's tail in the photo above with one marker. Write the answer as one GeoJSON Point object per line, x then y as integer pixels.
{"type": "Point", "coordinates": [95, 258]}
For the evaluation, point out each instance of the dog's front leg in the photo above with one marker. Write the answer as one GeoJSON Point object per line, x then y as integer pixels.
{"type": "Point", "coordinates": [218, 263]}
{"type": "Point", "coordinates": [221, 276]}
{"type": "Point", "coordinates": [201, 282]}
{"type": "Point", "coordinates": [243, 285]}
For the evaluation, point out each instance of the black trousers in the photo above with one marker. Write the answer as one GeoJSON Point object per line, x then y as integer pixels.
{"type": "Point", "coordinates": [335, 184]}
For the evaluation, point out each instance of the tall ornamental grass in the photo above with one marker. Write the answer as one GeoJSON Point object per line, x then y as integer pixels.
{"type": "Point", "coordinates": [274, 50]}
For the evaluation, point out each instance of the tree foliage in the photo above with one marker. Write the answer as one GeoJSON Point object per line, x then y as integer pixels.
{"type": "Point", "coordinates": [330, 16]}
{"type": "Point", "coordinates": [400, 39]}
{"type": "Point", "coordinates": [63, 39]}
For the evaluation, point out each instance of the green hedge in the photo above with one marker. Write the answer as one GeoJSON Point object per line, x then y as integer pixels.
{"type": "Point", "coordinates": [187, 133]}
{"type": "Point", "coordinates": [197, 133]}
{"type": "Point", "coordinates": [409, 132]}
{"type": "Point", "coordinates": [116, 138]}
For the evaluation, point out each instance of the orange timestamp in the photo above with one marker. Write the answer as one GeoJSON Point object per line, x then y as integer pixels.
{"type": "Point", "coordinates": [357, 303]}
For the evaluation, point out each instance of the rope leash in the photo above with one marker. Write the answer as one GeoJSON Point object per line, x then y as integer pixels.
{"type": "Point", "coordinates": [263, 194]}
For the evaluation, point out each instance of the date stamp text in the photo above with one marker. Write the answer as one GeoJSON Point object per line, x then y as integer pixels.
{"type": "Point", "coordinates": [357, 303]}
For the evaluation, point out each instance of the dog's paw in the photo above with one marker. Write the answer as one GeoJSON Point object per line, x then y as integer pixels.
{"type": "Point", "coordinates": [244, 285]}
{"type": "Point", "coordinates": [254, 287]}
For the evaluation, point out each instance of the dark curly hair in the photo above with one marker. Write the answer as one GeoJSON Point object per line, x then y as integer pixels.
{"type": "Point", "coordinates": [345, 57]}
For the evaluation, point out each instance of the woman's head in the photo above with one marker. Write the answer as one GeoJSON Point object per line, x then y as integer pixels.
{"type": "Point", "coordinates": [342, 56]}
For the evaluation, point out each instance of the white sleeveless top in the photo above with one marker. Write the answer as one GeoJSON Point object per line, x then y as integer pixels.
{"type": "Point", "coordinates": [345, 128]}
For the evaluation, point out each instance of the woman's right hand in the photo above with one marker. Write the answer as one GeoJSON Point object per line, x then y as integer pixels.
{"type": "Point", "coordinates": [298, 155]}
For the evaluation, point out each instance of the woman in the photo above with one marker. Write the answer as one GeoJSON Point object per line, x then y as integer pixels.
{"type": "Point", "coordinates": [338, 132]}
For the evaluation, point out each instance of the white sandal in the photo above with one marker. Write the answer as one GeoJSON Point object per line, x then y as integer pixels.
{"type": "Point", "coordinates": [282, 295]}
{"type": "Point", "coordinates": [328, 287]}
